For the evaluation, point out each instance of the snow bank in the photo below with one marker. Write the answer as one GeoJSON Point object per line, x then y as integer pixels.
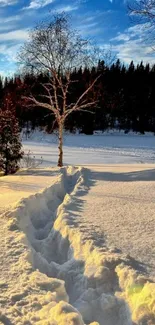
{"type": "Point", "coordinates": [73, 282]}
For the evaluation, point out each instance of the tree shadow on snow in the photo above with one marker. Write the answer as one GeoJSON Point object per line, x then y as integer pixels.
{"type": "Point", "coordinates": [76, 210]}
{"type": "Point", "coordinates": [134, 176]}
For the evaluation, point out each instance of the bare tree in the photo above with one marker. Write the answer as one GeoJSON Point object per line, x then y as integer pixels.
{"type": "Point", "coordinates": [142, 12]}
{"type": "Point", "coordinates": [143, 9]}
{"type": "Point", "coordinates": [56, 49]}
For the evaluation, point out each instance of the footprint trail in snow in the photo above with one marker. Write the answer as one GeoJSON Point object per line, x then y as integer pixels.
{"type": "Point", "coordinates": [57, 275]}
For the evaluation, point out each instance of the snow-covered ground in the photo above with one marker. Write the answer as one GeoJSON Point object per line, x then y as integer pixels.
{"type": "Point", "coordinates": [119, 211]}
{"type": "Point", "coordinates": [15, 187]}
{"type": "Point", "coordinates": [79, 247]}
{"type": "Point", "coordinates": [97, 149]}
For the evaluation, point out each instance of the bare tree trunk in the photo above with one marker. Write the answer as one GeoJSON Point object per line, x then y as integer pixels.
{"type": "Point", "coordinates": [60, 147]}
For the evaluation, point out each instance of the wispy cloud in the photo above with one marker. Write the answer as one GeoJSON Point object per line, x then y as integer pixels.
{"type": "Point", "coordinates": [16, 35]}
{"type": "Point", "coordinates": [9, 23]}
{"type": "Point", "coordinates": [139, 32]}
{"type": "Point", "coordinates": [36, 4]}
{"type": "Point", "coordinates": [8, 58]}
{"type": "Point", "coordinates": [68, 8]}
{"type": "Point", "coordinates": [10, 52]}
{"type": "Point", "coordinates": [9, 19]}
{"type": "Point", "coordinates": [4, 3]}
{"type": "Point", "coordinates": [121, 37]}
{"type": "Point", "coordinates": [133, 44]}
{"type": "Point", "coordinates": [10, 44]}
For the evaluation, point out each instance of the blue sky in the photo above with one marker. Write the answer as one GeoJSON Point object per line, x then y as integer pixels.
{"type": "Point", "coordinates": [105, 21]}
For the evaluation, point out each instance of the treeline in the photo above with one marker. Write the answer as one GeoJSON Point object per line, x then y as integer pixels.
{"type": "Point", "coordinates": [125, 99]}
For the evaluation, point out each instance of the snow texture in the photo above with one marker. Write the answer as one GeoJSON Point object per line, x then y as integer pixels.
{"type": "Point", "coordinates": [119, 211]}
{"type": "Point", "coordinates": [23, 184]}
{"type": "Point", "coordinates": [80, 149]}
{"type": "Point", "coordinates": [51, 273]}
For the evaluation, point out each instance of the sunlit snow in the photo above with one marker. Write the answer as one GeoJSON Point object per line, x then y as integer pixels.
{"type": "Point", "coordinates": [78, 246]}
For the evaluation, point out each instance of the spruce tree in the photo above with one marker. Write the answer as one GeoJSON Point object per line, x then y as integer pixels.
{"type": "Point", "coordinates": [10, 144]}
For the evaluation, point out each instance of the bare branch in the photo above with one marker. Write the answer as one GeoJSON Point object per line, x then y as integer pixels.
{"type": "Point", "coordinates": [144, 9]}
{"type": "Point", "coordinates": [49, 94]}
{"type": "Point", "coordinates": [37, 103]}
{"type": "Point", "coordinates": [80, 108]}
{"type": "Point", "coordinates": [77, 104]}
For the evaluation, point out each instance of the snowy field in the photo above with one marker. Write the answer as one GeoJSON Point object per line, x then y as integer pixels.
{"type": "Point", "coordinates": [97, 149]}
{"type": "Point", "coordinates": [78, 246]}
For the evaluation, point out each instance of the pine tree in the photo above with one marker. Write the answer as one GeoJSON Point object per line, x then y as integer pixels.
{"type": "Point", "coordinates": [10, 144]}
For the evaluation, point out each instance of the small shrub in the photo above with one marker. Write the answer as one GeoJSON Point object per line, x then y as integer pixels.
{"type": "Point", "coordinates": [29, 161]}
{"type": "Point", "coordinates": [10, 142]}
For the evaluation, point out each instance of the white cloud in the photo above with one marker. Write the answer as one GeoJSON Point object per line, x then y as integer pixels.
{"type": "Point", "coordinates": [16, 35]}
{"type": "Point", "coordinates": [4, 3]}
{"type": "Point", "coordinates": [92, 25]}
{"type": "Point", "coordinates": [134, 50]}
{"type": "Point", "coordinates": [67, 8]}
{"type": "Point", "coordinates": [10, 19]}
{"type": "Point", "coordinates": [8, 59]}
{"type": "Point", "coordinates": [9, 52]}
{"type": "Point", "coordinates": [130, 33]}
{"type": "Point", "coordinates": [9, 23]}
{"type": "Point", "coordinates": [134, 44]}
{"type": "Point", "coordinates": [89, 29]}
{"type": "Point", "coordinates": [36, 4]}
{"type": "Point", "coordinates": [121, 37]}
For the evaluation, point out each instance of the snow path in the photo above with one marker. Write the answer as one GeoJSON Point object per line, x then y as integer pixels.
{"type": "Point", "coordinates": [43, 240]}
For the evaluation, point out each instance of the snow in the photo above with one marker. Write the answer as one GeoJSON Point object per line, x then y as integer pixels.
{"type": "Point", "coordinates": [122, 205]}
{"type": "Point", "coordinates": [43, 223]}
{"type": "Point", "coordinates": [23, 184]}
{"type": "Point", "coordinates": [78, 246]}
{"type": "Point", "coordinates": [64, 277]}
{"type": "Point", "coordinates": [81, 149]}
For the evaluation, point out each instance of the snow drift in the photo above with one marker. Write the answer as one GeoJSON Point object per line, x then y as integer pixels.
{"type": "Point", "coordinates": [65, 278]}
